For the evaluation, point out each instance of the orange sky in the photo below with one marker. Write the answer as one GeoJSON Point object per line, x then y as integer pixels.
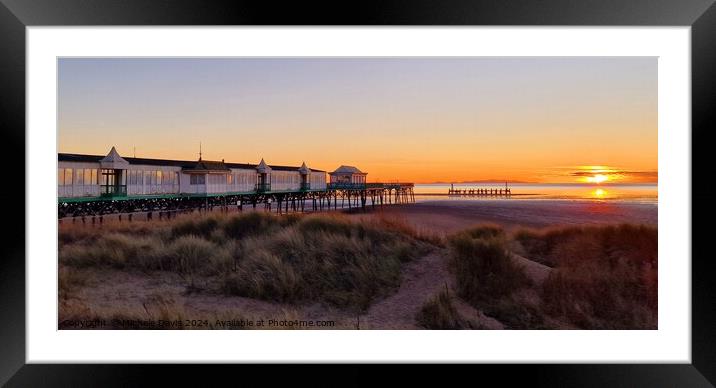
{"type": "Point", "coordinates": [409, 119]}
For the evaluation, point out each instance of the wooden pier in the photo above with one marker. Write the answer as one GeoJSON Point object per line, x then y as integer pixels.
{"type": "Point", "coordinates": [480, 192]}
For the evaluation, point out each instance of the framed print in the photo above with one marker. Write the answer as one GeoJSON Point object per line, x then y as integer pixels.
{"type": "Point", "coordinates": [462, 183]}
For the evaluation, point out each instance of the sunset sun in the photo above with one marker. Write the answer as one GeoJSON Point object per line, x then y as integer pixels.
{"type": "Point", "coordinates": [598, 178]}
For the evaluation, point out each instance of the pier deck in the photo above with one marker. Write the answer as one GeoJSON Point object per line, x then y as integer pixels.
{"type": "Point", "coordinates": [335, 196]}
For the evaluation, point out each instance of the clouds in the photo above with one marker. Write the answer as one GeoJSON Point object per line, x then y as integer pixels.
{"type": "Point", "coordinates": [617, 175]}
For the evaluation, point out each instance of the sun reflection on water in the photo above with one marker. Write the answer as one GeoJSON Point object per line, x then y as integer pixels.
{"type": "Point", "coordinates": [599, 193]}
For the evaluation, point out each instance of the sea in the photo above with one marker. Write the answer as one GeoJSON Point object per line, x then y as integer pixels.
{"type": "Point", "coordinates": [640, 193]}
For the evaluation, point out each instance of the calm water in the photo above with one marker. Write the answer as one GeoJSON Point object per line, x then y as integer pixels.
{"type": "Point", "coordinates": [624, 192]}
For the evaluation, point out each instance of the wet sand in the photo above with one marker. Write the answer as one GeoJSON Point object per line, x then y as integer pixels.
{"type": "Point", "coordinates": [454, 215]}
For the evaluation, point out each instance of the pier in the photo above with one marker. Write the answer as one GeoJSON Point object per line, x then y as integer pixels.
{"type": "Point", "coordinates": [345, 196]}
{"type": "Point", "coordinates": [90, 186]}
{"type": "Point", "coordinates": [480, 192]}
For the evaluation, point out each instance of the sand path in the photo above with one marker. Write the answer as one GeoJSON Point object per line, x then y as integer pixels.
{"type": "Point", "coordinates": [422, 279]}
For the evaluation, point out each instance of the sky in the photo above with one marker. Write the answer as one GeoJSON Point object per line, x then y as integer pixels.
{"type": "Point", "coordinates": [434, 119]}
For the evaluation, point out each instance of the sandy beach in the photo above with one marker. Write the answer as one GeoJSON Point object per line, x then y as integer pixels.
{"type": "Point", "coordinates": [454, 215]}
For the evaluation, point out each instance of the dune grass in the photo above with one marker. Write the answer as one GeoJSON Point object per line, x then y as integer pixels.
{"type": "Point", "coordinates": [328, 258]}
{"type": "Point", "coordinates": [332, 259]}
{"type": "Point", "coordinates": [487, 277]}
{"type": "Point", "coordinates": [155, 312]}
{"type": "Point", "coordinates": [603, 277]}
{"type": "Point", "coordinates": [439, 313]}
{"type": "Point", "coordinates": [70, 281]}
{"type": "Point", "coordinates": [482, 264]}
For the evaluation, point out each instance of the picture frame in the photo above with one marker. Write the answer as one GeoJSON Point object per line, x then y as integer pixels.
{"type": "Point", "coordinates": [15, 16]}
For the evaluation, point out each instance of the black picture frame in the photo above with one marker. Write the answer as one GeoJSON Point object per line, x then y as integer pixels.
{"type": "Point", "coordinates": [16, 15]}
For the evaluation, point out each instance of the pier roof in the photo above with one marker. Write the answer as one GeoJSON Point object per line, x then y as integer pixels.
{"type": "Point", "coordinates": [113, 160]}
{"type": "Point", "coordinates": [263, 167]}
{"type": "Point", "coordinates": [343, 169]}
{"type": "Point", "coordinates": [84, 158]}
{"type": "Point", "coordinates": [207, 165]}
{"type": "Point", "coordinates": [304, 169]}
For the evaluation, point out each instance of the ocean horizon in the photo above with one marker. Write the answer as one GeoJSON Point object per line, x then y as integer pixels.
{"type": "Point", "coordinates": [639, 192]}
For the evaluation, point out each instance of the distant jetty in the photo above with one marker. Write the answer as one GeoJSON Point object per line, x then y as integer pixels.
{"type": "Point", "coordinates": [480, 192]}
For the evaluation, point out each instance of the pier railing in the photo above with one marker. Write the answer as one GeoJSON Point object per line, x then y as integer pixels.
{"type": "Point", "coordinates": [363, 186]}
{"type": "Point", "coordinates": [394, 185]}
{"type": "Point", "coordinates": [346, 186]}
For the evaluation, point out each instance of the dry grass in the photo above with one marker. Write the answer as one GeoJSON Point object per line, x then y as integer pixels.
{"type": "Point", "coordinates": [487, 277]}
{"type": "Point", "coordinates": [601, 278]}
{"type": "Point", "coordinates": [401, 226]}
{"type": "Point", "coordinates": [440, 313]}
{"type": "Point", "coordinates": [155, 312]}
{"type": "Point", "coordinates": [604, 277]}
{"type": "Point", "coordinates": [327, 257]}
{"type": "Point", "coordinates": [70, 281]}
{"type": "Point", "coordinates": [322, 258]}
{"type": "Point", "coordinates": [482, 264]}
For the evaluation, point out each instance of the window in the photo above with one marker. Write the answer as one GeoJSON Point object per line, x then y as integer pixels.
{"type": "Point", "coordinates": [230, 179]}
{"type": "Point", "coordinates": [108, 177]}
{"type": "Point", "coordinates": [217, 179]}
{"type": "Point", "coordinates": [176, 181]}
{"type": "Point", "coordinates": [60, 177]}
{"type": "Point", "coordinates": [197, 179]}
{"type": "Point", "coordinates": [93, 178]}
{"type": "Point", "coordinates": [159, 177]}
{"type": "Point", "coordinates": [88, 176]}
{"type": "Point", "coordinates": [147, 179]}
{"type": "Point", "coordinates": [79, 177]}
